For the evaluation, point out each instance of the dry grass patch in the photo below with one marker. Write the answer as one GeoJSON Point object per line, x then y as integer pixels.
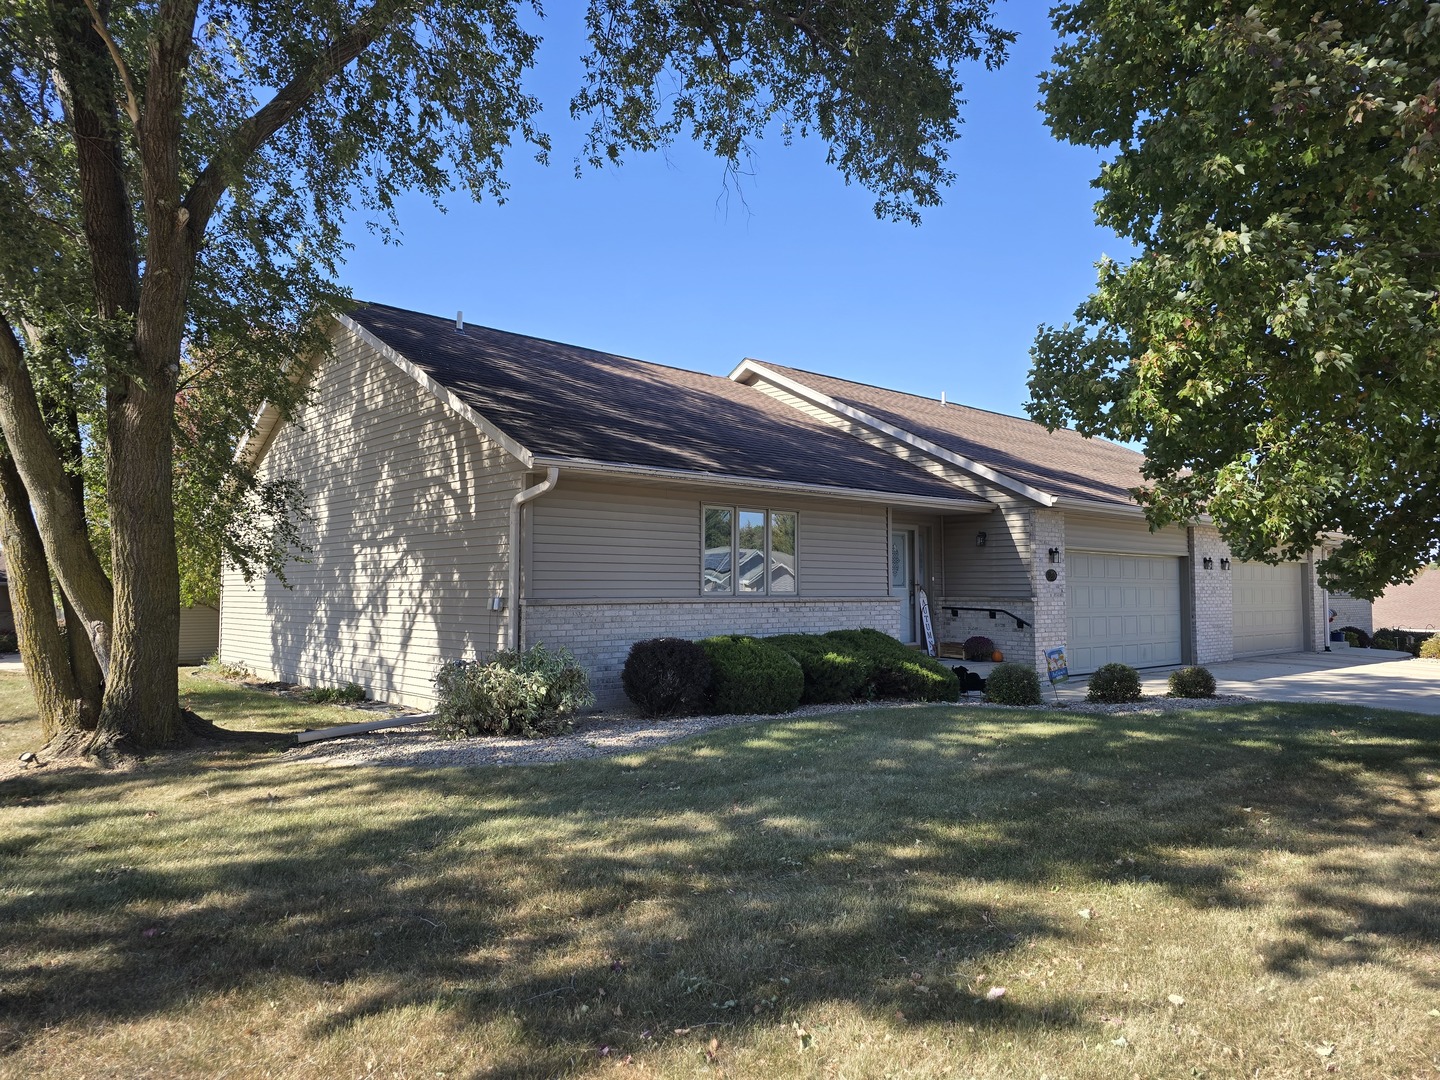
{"type": "Point", "coordinates": [1235, 893]}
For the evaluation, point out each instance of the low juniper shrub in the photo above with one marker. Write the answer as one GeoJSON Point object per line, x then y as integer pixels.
{"type": "Point", "coordinates": [898, 671]}
{"type": "Point", "coordinates": [1013, 684]}
{"type": "Point", "coordinates": [667, 676]}
{"type": "Point", "coordinates": [529, 693]}
{"type": "Point", "coordinates": [750, 676]}
{"type": "Point", "coordinates": [1192, 682]}
{"type": "Point", "coordinates": [1114, 684]}
{"type": "Point", "coordinates": [834, 671]}
{"type": "Point", "coordinates": [978, 647]}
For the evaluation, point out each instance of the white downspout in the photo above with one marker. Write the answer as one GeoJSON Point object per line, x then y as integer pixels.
{"type": "Point", "coordinates": [552, 477]}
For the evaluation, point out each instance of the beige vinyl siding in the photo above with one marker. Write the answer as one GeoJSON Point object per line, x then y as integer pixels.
{"type": "Point", "coordinates": [640, 540]}
{"type": "Point", "coordinates": [1000, 568]}
{"type": "Point", "coordinates": [199, 633]}
{"type": "Point", "coordinates": [410, 512]}
{"type": "Point", "coordinates": [1102, 533]}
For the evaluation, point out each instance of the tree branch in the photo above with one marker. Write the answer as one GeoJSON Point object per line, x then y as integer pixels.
{"type": "Point", "coordinates": [132, 102]}
{"type": "Point", "coordinates": [252, 133]}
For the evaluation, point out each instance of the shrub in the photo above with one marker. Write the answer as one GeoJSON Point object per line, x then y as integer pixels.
{"type": "Point", "coordinates": [1013, 684]}
{"type": "Point", "coordinates": [1398, 641]}
{"type": "Point", "coordinates": [8, 642]}
{"type": "Point", "coordinates": [1430, 648]}
{"type": "Point", "coordinates": [1192, 682]}
{"type": "Point", "coordinates": [349, 694]}
{"type": "Point", "coordinates": [978, 648]}
{"type": "Point", "coordinates": [898, 671]}
{"type": "Point", "coordinates": [1114, 684]}
{"type": "Point", "coordinates": [834, 671]}
{"type": "Point", "coordinates": [667, 676]}
{"type": "Point", "coordinates": [749, 676]}
{"type": "Point", "coordinates": [526, 693]}
{"type": "Point", "coordinates": [1356, 637]}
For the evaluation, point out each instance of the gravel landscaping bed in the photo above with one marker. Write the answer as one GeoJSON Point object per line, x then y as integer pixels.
{"type": "Point", "coordinates": [603, 734]}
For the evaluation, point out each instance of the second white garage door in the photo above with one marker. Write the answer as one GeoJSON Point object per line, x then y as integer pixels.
{"type": "Point", "coordinates": [1268, 612]}
{"type": "Point", "coordinates": [1123, 609]}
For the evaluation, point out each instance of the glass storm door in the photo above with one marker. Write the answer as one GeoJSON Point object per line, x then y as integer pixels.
{"type": "Point", "coordinates": [902, 579]}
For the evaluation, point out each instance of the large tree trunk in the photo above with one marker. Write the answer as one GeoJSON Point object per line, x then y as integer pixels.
{"type": "Point", "coordinates": [58, 695]}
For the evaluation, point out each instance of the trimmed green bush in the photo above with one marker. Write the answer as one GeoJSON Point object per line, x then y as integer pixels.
{"type": "Point", "coordinates": [1357, 638]}
{"type": "Point", "coordinates": [750, 676]}
{"type": "Point", "coordinates": [899, 671]}
{"type": "Point", "coordinates": [1430, 648]}
{"type": "Point", "coordinates": [833, 670]}
{"type": "Point", "coordinates": [667, 676]}
{"type": "Point", "coordinates": [1192, 682]}
{"type": "Point", "coordinates": [1114, 684]}
{"type": "Point", "coordinates": [528, 693]}
{"type": "Point", "coordinates": [978, 647]}
{"type": "Point", "coordinates": [1013, 684]}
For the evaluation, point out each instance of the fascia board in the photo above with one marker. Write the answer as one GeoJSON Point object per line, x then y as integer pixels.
{"type": "Point", "coordinates": [650, 472]}
{"type": "Point", "coordinates": [443, 395]}
{"type": "Point", "coordinates": [984, 472]}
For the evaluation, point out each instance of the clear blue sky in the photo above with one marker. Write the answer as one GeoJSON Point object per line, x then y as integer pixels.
{"type": "Point", "coordinates": [654, 260]}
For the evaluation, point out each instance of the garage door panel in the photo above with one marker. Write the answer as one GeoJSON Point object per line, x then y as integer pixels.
{"type": "Point", "coordinates": [1267, 604]}
{"type": "Point", "coordinates": [1123, 609]}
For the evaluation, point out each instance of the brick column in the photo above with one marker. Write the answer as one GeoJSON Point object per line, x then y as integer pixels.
{"type": "Point", "coordinates": [1052, 608]}
{"type": "Point", "coordinates": [1212, 598]}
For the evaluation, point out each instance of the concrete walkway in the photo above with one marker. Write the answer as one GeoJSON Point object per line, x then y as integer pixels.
{"type": "Point", "coordinates": [1366, 677]}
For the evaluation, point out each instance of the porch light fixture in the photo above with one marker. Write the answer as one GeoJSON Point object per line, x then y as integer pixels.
{"type": "Point", "coordinates": [1054, 555]}
{"type": "Point", "coordinates": [1208, 563]}
{"type": "Point", "coordinates": [1224, 564]}
{"type": "Point", "coordinates": [979, 539]}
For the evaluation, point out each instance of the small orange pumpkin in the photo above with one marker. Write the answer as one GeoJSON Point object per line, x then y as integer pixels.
{"type": "Point", "coordinates": [997, 656]}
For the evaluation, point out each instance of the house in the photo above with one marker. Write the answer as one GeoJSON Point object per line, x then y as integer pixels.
{"type": "Point", "coordinates": [1414, 607]}
{"type": "Point", "coordinates": [471, 489]}
{"type": "Point", "coordinates": [7, 614]}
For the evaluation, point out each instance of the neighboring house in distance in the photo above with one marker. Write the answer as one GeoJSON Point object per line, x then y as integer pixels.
{"type": "Point", "coordinates": [1413, 607]}
{"type": "Point", "coordinates": [199, 633]}
{"type": "Point", "coordinates": [471, 488]}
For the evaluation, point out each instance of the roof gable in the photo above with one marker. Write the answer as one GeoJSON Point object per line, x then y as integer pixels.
{"type": "Point", "coordinates": [556, 401]}
{"type": "Point", "coordinates": [1011, 452]}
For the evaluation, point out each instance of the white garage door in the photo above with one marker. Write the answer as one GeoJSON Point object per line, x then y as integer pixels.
{"type": "Point", "coordinates": [1123, 609]}
{"type": "Point", "coordinates": [1268, 610]}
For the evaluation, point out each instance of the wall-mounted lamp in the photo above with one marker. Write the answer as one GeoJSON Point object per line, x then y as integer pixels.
{"type": "Point", "coordinates": [979, 539]}
{"type": "Point", "coordinates": [1208, 563]}
{"type": "Point", "coordinates": [1054, 555]}
{"type": "Point", "coordinates": [1224, 564]}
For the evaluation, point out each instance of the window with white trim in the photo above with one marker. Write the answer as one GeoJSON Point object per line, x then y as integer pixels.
{"type": "Point", "coordinates": [748, 552]}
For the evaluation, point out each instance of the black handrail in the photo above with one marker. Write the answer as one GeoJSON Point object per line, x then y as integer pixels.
{"type": "Point", "coordinates": [1020, 623]}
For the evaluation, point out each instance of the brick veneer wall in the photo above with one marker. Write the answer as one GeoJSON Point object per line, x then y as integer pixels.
{"type": "Point", "coordinates": [1052, 607]}
{"type": "Point", "coordinates": [1317, 602]}
{"type": "Point", "coordinates": [600, 634]}
{"type": "Point", "coordinates": [1212, 597]}
{"type": "Point", "coordinates": [1015, 644]}
{"type": "Point", "coordinates": [1350, 611]}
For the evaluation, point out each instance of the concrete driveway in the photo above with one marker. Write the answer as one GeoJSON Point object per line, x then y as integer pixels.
{"type": "Point", "coordinates": [1368, 677]}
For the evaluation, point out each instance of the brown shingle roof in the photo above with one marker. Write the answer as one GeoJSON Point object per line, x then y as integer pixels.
{"type": "Point", "coordinates": [1415, 606]}
{"type": "Point", "coordinates": [567, 402]}
{"type": "Point", "coordinates": [1059, 463]}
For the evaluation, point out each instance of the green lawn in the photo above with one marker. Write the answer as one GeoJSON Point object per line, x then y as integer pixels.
{"type": "Point", "coordinates": [1232, 893]}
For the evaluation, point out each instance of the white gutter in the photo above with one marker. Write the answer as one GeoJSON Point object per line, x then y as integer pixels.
{"type": "Point", "coordinates": [685, 476]}
{"type": "Point", "coordinates": [935, 450]}
{"type": "Point", "coordinates": [512, 599]}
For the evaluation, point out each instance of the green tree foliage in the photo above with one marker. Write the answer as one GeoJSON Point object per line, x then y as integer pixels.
{"type": "Point", "coordinates": [176, 176]}
{"type": "Point", "coordinates": [1274, 344]}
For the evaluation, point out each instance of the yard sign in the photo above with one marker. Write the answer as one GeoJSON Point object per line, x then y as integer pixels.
{"type": "Point", "coordinates": [925, 623]}
{"type": "Point", "coordinates": [1055, 665]}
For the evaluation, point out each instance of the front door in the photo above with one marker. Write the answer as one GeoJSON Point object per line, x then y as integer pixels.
{"type": "Point", "coordinates": [902, 579]}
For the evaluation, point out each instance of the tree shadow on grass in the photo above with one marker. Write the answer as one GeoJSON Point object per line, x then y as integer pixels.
{"type": "Point", "coordinates": [728, 881]}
